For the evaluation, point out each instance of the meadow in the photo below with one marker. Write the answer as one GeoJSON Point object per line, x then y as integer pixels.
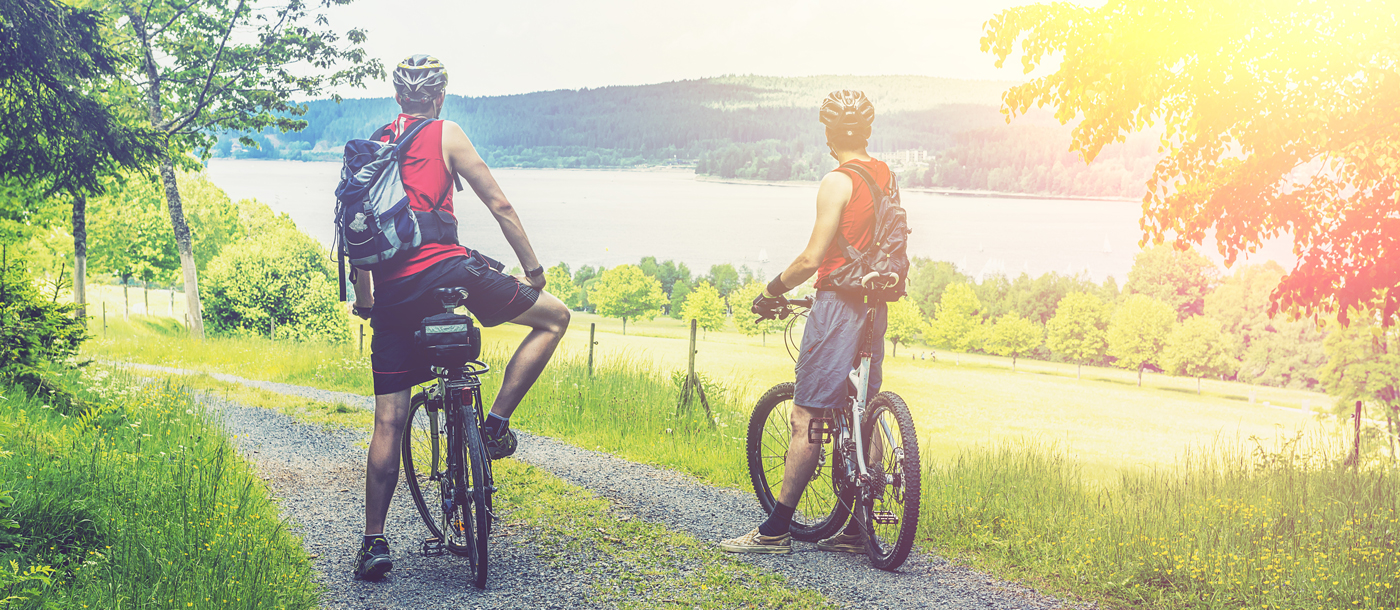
{"type": "Point", "coordinates": [127, 494]}
{"type": "Point", "coordinates": [1093, 487]}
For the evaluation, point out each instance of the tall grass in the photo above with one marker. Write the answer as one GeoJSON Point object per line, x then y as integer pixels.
{"type": "Point", "coordinates": [629, 407]}
{"type": "Point", "coordinates": [1283, 526]}
{"type": "Point", "coordinates": [1279, 528]}
{"type": "Point", "coordinates": [137, 499]}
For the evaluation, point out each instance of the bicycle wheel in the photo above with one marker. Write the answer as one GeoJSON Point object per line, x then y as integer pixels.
{"type": "Point", "coordinates": [890, 516]}
{"type": "Point", "coordinates": [424, 451]}
{"type": "Point", "coordinates": [477, 509]}
{"type": "Point", "coordinates": [820, 511]}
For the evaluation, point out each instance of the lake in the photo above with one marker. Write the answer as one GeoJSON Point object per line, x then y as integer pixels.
{"type": "Point", "coordinates": [610, 217]}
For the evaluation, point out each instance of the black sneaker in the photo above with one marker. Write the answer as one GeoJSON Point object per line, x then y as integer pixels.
{"type": "Point", "coordinates": [374, 561]}
{"type": "Point", "coordinates": [498, 447]}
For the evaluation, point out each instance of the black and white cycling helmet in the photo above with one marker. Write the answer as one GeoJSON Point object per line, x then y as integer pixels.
{"type": "Point", "coordinates": [420, 78]}
{"type": "Point", "coordinates": [848, 112]}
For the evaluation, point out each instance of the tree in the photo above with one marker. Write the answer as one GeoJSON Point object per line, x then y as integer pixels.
{"type": "Point", "coordinates": [906, 321]}
{"type": "Point", "coordinates": [625, 292]}
{"type": "Point", "coordinates": [55, 59]}
{"type": "Point", "coordinates": [277, 283]}
{"type": "Point", "coordinates": [1013, 336]}
{"type": "Point", "coordinates": [1241, 302]}
{"type": "Point", "coordinates": [667, 272]}
{"type": "Point", "coordinates": [725, 279]}
{"type": "Point", "coordinates": [131, 235]}
{"type": "Point", "coordinates": [705, 307]}
{"type": "Point", "coordinates": [747, 322]}
{"type": "Point", "coordinates": [928, 279]}
{"type": "Point", "coordinates": [195, 78]}
{"type": "Point", "coordinates": [1274, 117]}
{"type": "Point", "coordinates": [1363, 364]}
{"type": "Point", "coordinates": [1036, 299]}
{"type": "Point", "coordinates": [679, 291]}
{"type": "Point", "coordinates": [1078, 330]}
{"type": "Point", "coordinates": [1138, 332]}
{"type": "Point", "coordinates": [957, 320]}
{"type": "Point", "coordinates": [1181, 279]}
{"type": "Point", "coordinates": [1287, 354]}
{"type": "Point", "coordinates": [1197, 348]}
{"type": "Point", "coordinates": [559, 282]}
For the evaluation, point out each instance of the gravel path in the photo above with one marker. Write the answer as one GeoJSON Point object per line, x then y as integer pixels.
{"type": "Point", "coordinates": [319, 474]}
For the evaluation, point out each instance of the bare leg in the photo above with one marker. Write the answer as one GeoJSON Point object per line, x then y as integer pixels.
{"type": "Point", "coordinates": [548, 318]}
{"type": "Point", "coordinates": [382, 468]}
{"type": "Point", "coordinates": [802, 456]}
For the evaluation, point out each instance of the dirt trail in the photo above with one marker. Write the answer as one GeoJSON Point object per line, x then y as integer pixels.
{"type": "Point", "coordinates": [320, 476]}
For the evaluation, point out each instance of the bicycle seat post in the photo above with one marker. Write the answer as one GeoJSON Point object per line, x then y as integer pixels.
{"type": "Point", "coordinates": [450, 297]}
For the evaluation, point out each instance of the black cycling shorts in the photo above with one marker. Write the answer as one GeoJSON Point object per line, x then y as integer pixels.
{"type": "Point", "coordinates": [492, 297]}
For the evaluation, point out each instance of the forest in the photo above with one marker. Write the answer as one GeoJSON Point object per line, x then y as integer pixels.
{"type": "Point", "coordinates": [749, 127]}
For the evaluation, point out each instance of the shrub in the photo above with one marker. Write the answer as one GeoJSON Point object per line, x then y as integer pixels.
{"type": "Point", "coordinates": [34, 326]}
{"type": "Point", "coordinates": [276, 283]}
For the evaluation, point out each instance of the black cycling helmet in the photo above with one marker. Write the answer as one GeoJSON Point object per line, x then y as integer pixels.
{"type": "Point", "coordinates": [420, 78]}
{"type": "Point", "coordinates": [848, 113]}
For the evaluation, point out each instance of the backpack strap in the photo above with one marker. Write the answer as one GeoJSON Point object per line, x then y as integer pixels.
{"type": "Point", "coordinates": [875, 196]}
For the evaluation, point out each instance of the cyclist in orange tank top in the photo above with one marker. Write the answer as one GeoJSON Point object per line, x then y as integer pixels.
{"type": "Point", "coordinates": [833, 330]}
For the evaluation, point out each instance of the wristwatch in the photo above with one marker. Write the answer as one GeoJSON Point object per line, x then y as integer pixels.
{"type": "Point", "coordinates": [536, 272]}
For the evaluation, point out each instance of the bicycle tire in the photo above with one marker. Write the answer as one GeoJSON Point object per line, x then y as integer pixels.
{"type": "Point", "coordinates": [417, 433]}
{"type": "Point", "coordinates": [898, 471]}
{"type": "Point", "coordinates": [821, 511]}
{"type": "Point", "coordinates": [478, 506]}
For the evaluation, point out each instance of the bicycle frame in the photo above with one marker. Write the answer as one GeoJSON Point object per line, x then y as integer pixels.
{"type": "Point", "coordinates": [457, 394]}
{"type": "Point", "coordinates": [860, 380]}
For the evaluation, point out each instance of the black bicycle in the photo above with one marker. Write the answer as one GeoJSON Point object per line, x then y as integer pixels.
{"type": "Point", "coordinates": [442, 442]}
{"type": "Point", "coordinates": [881, 490]}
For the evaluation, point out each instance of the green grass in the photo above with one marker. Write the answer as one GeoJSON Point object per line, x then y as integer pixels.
{"type": "Point", "coordinates": [1132, 496]}
{"type": "Point", "coordinates": [656, 567]}
{"type": "Point", "coordinates": [135, 499]}
{"type": "Point", "coordinates": [1284, 527]}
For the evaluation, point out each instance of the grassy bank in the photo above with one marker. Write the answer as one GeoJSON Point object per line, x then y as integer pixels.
{"type": "Point", "coordinates": [1219, 522]}
{"type": "Point", "coordinates": [134, 498]}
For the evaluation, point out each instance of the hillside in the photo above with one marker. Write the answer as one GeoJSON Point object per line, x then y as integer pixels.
{"type": "Point", "coordinates": [751, 127]}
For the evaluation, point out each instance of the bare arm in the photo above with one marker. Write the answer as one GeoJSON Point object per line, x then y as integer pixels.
{"type": "Point", "coordinates": [832, 196]}
{"type": "Point", "coordinates": [364, 288]}
{"type": "Point", "coordinates": [463, 159]}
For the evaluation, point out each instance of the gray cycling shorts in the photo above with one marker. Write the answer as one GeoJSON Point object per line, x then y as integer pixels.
{"type": "Point", "coordinates": [829, 345]}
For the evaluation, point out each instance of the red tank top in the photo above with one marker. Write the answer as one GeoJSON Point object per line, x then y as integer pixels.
{"type": "Point", "coordinates": [858, 219]}
{"type": "Point", "coordinates": [427, 181]}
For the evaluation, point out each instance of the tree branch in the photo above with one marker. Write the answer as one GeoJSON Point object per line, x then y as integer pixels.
{"type": "Point", "coordinates": [213, 69]}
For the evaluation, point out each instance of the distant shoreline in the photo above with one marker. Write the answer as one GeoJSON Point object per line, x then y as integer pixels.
{"type": "Point", "coordinates": [745, 181]}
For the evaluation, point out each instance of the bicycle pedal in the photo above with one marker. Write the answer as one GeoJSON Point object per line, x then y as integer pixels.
{"type": "Point", "coordinates": [433, 547]}
{"type": "Point", "coordinates": [884, 517]}
{"type": "Point", "coordinates": [820, 430]}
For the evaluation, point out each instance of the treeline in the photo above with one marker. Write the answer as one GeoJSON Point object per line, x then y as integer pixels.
{"type": "Point", "coordinates": [1175, 313]}
{"type": "Point", "coordinates": [743, 127]}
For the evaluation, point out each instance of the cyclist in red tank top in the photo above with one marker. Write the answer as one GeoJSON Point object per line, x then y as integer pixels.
{"type": "Point", "coordinates": [397, 299]}
{"type": "Point", "coordinates": [833, 330]}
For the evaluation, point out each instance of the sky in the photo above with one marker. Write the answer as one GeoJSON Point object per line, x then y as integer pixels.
{"type": "Point", "coordinates": [502, 48]}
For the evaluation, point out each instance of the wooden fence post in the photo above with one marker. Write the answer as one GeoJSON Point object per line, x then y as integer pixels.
{"type": "Point", "coordinates": [592, 327]}
{"type": "Point", "coordinates": [1356, 447]}
{"type": "Point", "coordinates": [692, 382]}
{"type": "Point", "coordinates": [362, 338]}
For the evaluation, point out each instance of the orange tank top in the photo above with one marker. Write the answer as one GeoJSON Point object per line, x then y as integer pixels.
{"type": "Point", "coordinates": [858, 219]}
